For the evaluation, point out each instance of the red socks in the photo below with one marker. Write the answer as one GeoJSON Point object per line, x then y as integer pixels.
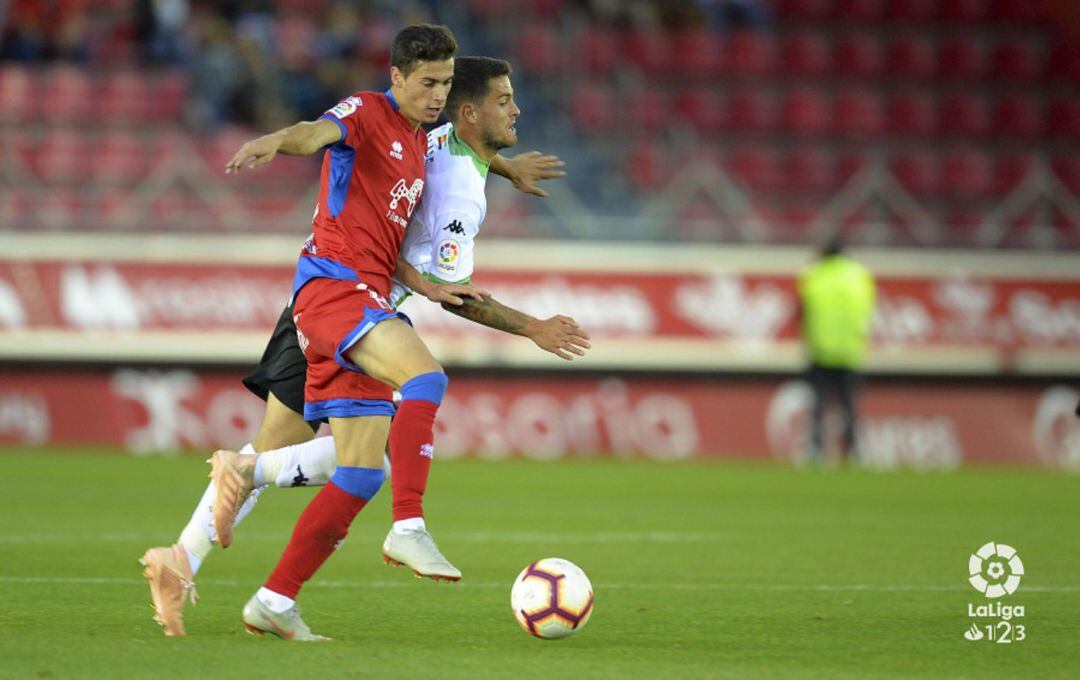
{"type": "Point", "coordinates": [411, 449]}
{"type": "Point", "coordinates": [321, 528]}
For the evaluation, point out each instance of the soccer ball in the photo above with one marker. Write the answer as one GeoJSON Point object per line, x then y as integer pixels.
{"type": "Point", "coordinates": [552, 598]}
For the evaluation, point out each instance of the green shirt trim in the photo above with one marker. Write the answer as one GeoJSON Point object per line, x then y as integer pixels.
{"type": "Point", "coordinates": [460, 148]}
{"type": "Point", "coordinates": [430, 277]}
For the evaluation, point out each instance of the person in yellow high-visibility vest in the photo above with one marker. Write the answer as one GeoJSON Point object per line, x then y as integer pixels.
{"type": "Point", "coordinates": [837, 296]}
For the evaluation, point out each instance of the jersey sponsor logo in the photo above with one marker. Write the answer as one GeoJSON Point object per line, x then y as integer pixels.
{"type": "Point", "coordinates": [395, 150]}
{"type": "Point", "coordinates": [449, 252]}
{"type": "Point", "coordinates": [346, 107]}
{"type": "Point", "coordinates": [409, 193]}
{"type": "Point", "coordinates": [455, 228]}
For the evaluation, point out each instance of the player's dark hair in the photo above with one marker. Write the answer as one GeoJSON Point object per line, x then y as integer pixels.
{"type": "Point", "coordinates": [472, 81]}
{"type": "Point", "coordinates": [421, 42]}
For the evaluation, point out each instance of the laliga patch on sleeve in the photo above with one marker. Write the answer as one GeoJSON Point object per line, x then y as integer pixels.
{"type": "Point", "coordinates": [447, 259]}
{"type": "Point", "coordinates": [346, 107]}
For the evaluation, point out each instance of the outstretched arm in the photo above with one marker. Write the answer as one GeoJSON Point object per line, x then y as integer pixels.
{"type": "Point", "coordinates": [526, 169]}
{"type": "Point", "coordinates": [446, 293]}
{"type": "Point", "coordinates": [301, 139]}
{"type": "Point", "coordinates": [559, 335]}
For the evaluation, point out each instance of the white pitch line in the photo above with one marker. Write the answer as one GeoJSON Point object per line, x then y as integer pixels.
{"type": "Point", "coordinates": [406, 583]}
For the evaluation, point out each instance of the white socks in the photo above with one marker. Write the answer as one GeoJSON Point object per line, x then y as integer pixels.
{"type": "Point", "coordinates": [198, 536]}
{"type": "Point", "coordinates": [408, 526]}
{"type": "Point", "coordinates": [309, 464]}
{"type": "Point", "coordinates": [275, 602]}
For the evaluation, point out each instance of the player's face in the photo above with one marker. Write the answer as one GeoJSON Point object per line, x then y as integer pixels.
{"type": "Point", "coordinates": [498, 115]}
{"type": "Point", "coordinates": [422, 94]}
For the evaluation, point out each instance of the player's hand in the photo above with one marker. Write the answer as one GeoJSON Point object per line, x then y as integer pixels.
{"type": "Point", "coordinates": [561, 336]}
{"type": "Point", "coordinates": [452, 293]}
{"type": "Point", "coordinates": [533, 166]}
{"type": "Point", "coordinates": [254, 153]}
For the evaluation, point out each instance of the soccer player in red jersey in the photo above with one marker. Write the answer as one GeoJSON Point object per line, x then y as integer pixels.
{"type": "Point", "coordinates": [357, 347]}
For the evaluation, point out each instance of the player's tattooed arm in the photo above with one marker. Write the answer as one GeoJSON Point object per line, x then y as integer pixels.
{"type": "Point", "coordinates": [559, 335]}
{"type": "Point", "coordinates": [301, 139]}
{"type": "Point", "coordinates": [446, 293]}
{"type": "Point", "coordinates": [526, 169]}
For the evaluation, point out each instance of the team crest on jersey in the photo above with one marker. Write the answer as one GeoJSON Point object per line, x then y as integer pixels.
{"type": "Point", "coordinates": [346, 106]}
{"type": "Point", "coordinates": [448, 254]}
{"type": "Point", "coordinates": [395, 150]}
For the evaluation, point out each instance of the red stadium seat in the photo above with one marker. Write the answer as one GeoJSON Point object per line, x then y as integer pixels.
{"type": "Point", "coordinates": [538, 50]}
{"type": "Point", "coordinates": [859, 55]}
{"type": "Point", "coordinates": [911, 10]}
{"type": "Point", "coordinates": [1009, 171]}
{"type": "Point", "coordinates": [858, 10]}
{"type": "Point", "coordinates": [756, 167]}
{"type": "Point", "coordinates": [807, 112]}
{"type": "Point", "coordinates": [1066, 168]}
{"type": "Point", "coordinates": [1017, 60]}
{"type": "Point", "coordinates": [62, 157]}
{"type": "Point", "coordinates": [912, 114]}
{"type": "Point", "coordinates": [911, 58]}
{"type": "Point", "coordinates": [859, 113]}
{"type": "Point", "coordinates": [1063, 119]}
{"type": "Point", "coordinates": [702, 108]}
{"type": "Point", "coordinates": [917, 171]}
{"type": "Point", "coordinates": [1018, 117]}
{"type": "Point", "coordinates": [966, 173]}
{"type": "Point", "coordinates": [805, 54]}
{"type": "Point", "coordinates": [648, 109]}
{"type": "Point", "coordinates": [170, 95]}
{"type": "Point", "coordinates": [126, 96]}
{"type": "Point", "coordinates": [965, 11]}
{"type": "Point", "coordinates": [962, 59]}
{"type": "Point", "coordinates": [547, 8]}
{"type": "Point", "coordinates": [698, 52]}
{"type": "Point", "coordinates": [17, 92]}
{"type": "Point", "coordinates": [117, 158]}
{"type": "Point", "coordinates": [811, 169]}
{"type": "Point", "coordinates": [1016, 11]}
{"type": "Point", "coordinates": [752, 110]}
{"type": "Point", "coordinates": [1064, 62]}
{"type": "Point", "coordinates": [750, 54]}
{"type": "Point", "coordinates": [804, 9]}
{"type": "Point", "coordinates": [647, 167]}
{"type": "Point", "coordinates": [649, 50]}
{"type": "Point", "coordinates": [67, 94]}
{"type": "Point", "coordinates": [592, 107]}
{"type": "Point", "coordinates": [964, 114]}
{"type": "Point", "coordinates": [849, 164]}
{"type": "Point", "coordinates": [599, 47]}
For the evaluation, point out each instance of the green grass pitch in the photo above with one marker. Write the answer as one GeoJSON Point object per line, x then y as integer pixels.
{"type": "Point", "coordinates": [700, 570]}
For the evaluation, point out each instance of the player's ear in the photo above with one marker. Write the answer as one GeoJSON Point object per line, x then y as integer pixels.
{"type": "Point", "coordinates": [397, 78]}
{"type": "Point", "coordinates": [468, 111]}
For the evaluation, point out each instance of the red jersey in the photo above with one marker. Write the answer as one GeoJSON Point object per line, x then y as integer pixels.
{"type": "Point", "coordinates": [371, 182]}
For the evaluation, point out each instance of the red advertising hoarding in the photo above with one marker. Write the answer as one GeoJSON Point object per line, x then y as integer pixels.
{"type": "Point", "coordinates": [916, 425]}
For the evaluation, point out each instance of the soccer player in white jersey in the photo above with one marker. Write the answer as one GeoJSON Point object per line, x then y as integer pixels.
{"type": "Point", "coordinates": [437, 262]}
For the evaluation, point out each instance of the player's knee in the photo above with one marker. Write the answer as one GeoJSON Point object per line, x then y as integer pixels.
{"type": "Point", "coordinates": [426, 387]}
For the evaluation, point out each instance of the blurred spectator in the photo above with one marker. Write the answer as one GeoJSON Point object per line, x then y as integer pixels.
{"type": "Point", "coordinates": [217, 72]}
{"type": "Point", "coordinates": [39, 30]}
{"type": "Point", "coordinates": [161, 27]}
{"type": "Point", "coordinates": [837, 296]}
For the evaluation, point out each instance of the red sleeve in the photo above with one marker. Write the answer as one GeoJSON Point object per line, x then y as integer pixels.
{"type": "Point", "coordinates": [353, 117]}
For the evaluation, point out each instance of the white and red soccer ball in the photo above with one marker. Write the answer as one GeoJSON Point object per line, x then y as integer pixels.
{"type": "Point", "coordinates": [552, 598]}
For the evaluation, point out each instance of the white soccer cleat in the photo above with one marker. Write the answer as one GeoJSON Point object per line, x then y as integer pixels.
{"type": "Point", "coordinates": [234, 477]}
{"type": "Point", "coordinates": [171, 583]}
{"type": "Point", "coordinates": [417, 550]}
{"type": "Point", "coordinates": [258, 619]}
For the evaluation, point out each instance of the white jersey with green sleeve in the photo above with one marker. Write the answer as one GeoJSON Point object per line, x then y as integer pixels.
{"type": "Point", "coordinates": [439, 239]}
